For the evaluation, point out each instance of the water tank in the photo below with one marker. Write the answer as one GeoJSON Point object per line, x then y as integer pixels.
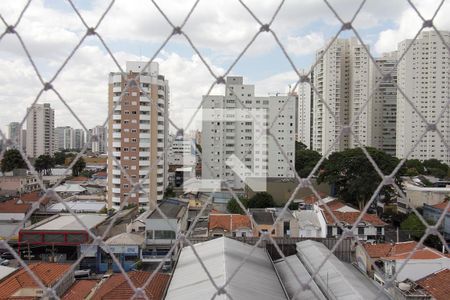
{"type": "Point", "coordinates": [404, 286]}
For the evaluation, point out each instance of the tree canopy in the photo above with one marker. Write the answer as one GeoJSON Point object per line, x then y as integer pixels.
{"type": "Point", "coordinates": [354, 177]}
{"type": "Point", "coordinates": [44, 164]}
{"type": "Point", "coordinates": [261, 200]}
{"type": "Point", "coordinates": [234, 207]}
{"type": "Point", "coordinates": [78, 167]}
{"type": "Point", "coordinates": [12, 159]}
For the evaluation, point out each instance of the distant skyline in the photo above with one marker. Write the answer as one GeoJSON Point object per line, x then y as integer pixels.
{"type": "Point", "coordinates": [220, 30]}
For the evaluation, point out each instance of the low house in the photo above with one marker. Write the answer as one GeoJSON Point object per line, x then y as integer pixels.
{"type": "Point", "coordinates": [434, 212]}
{"type": "Point", "coordinates": [230, 225]}
{"type": "Point", "coordinates": [437, 284]}
{"type": "Point", "coordinates": [12, 212]}
{"type": "Point", "coordinates": [117, 286]}
{"type": "Point", "coordinates": [20, 285]}
{"type": "Point", "coordinates": [162, 230]}
{"type": "Point", "coordinates": [126, 247]}
{"type": "Point", "coordinates": [370, 227]}
{"type": "Point", "coordinates": [18, 184]}
{"type": "Point", "coordinates": [81, 289]}
{"type": "Point", "coordinates": [422, 262]}
{"type": "Point", "coordinates": [287, 225]}
{"type": "Point", "coordinates": [368, 254]}
{"type": "Point", "coordinates": [418, 196]}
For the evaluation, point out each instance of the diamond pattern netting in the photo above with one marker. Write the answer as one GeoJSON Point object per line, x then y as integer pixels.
{"type": "Point", "coordinates": [385, 179]}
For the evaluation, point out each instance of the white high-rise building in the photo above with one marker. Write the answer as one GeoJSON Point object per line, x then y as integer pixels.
{"type": "Point", "coordinates": [16, 134]}
{"type": "Point", "coordinates": [304, 133]}
{"type": "Point", "coordinates": [181, 150]}
{"type": "Point", "coordinates": [99, 144]}
{"type": "Point", "coordinates": [40, 130]}
{"type": "Point", "coordinates": [64, 138]}
{"type": "Point", "coordinates": [423, 75]}
{"type": "Point", "coordinates": [79, 139]}
{"type": "Point", "coordinates": [342, 79]}
{"type": "Point", "coordinates": [137, 135]}
{"type": "Point", "coordinates": [232, 131]}
{"type": "Point", "coordinates": [383, 105]}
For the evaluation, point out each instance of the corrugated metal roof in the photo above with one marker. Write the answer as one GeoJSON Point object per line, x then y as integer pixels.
{"type": "Point", "coordinates": [291, 284]}
{"type": "Point", "coordinates": [336, 279]}
{"type": "Point", "coordinates": [5, 271]}
{"type": "Point", "coordinates": [126, 239]}
{"type": "Point", "coordinates": [68, 222]}
{"type": "Point", "coordinates": [255, 280]}
{"type": "Point", "coordinates": [78, 206]}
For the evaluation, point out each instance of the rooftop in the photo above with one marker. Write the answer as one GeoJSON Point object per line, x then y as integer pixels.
{"type": "Point", "coordinates": [386, 249]}
{"type": "Point", "coordinates": [255, 280]}
{"type": "Point", "coordinates": [125, 238]}
{"type": "Point", "coordinates": [262, 217]}
{"type": "Point", "coordinates": [352, 217]}
{"type": "Point", "coordinates": [80, 289]}
{"type": "Point", "coordinates": [69, 188]}
{"type": "Point", "coordinates": [78, 206]}
{"type": "Point", "coordinates": [14, 206]}
{"type": "Point", "coordinates": [437, 284]}
{"type": "Point", "coordinates": [69, 222]}
{"type": "Point", "coordinates": [229, 222]}
{"type": "Point", "coordinates": [34, 197]}
{"type": "Point", "coordinates": [48, 273]}
{"type": "Point", "coordinates": [171, 208]}
{"type": "Point", "coordinates": [117, 287]}
{"type": "Point", "coordinates": [442, 206]}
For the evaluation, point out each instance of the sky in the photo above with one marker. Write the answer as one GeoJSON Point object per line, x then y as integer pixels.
{"type": "Point", "coordinates": [220, 29]}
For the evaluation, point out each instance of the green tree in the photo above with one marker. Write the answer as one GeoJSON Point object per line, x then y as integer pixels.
{"type": "Point", "coordinates": [234, 207]}
{"type": "Point", "coordinates": [261, 200]}
{"type": "Point", "coordinates": [305, 161]}
{"type": "Point", "coordinates": [354, 177]}
{"type": "Point", "coordinates": [169, 192]}
{"type": "Point", "coordinates": [413, 226]}
{"type": "Point", "coordinates": [44, 164]}
{"type": "Point", "coordinates": [436, 168]}
{"type": "Point", "coordinates": [12, 159]}
{"type": "Point", "coordinates": [78, 167]}
{"type": "Point", "coordinates": [59, 158]}
{"type": "Point", "coordinates": [414, 167]}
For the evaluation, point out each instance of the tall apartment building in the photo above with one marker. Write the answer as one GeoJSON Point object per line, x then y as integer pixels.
{"type": "Point", "coordinates": [64, 138]}
{"type": "Point", "coordinates": [383, 104]}
{"type": "Point", "coordinates": [40, 130]}
{"type": "Point", "coordinates": [79, 138]}
{"type": "Point", "coordinates": [99, 145]}
{"type": "Point", "coordinates": [227, 131]}
{"type": "Point", "coordinates": [305, 113]}
{"type": "Point", "coordinates": [423, 75]}
{"type": "Point", "coordinates": [181, 150]}
{"type": "Point", "coordinates": [137, 135]}
{"type": "Point", "coordinates": [17, 134]}
{"type": "Point", "coordinates": [342, 79]}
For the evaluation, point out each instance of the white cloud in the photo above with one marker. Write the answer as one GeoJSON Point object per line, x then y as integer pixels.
{"type": "Point", "coordinates": [308, 44]}
{"type": "Point", "coordinates": [409, 23]}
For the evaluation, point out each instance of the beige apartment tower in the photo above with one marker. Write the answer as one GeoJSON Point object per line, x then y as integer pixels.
{"type": "Point", "coordinates": [137, 135]}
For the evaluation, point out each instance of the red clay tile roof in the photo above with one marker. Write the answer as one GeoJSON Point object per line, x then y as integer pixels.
{"type": "Point", "coordinates": [425, 253]}
{"type": "Point", "coordinates": [437, 284]}
{"type": "Point", "coordinates": [80, 289]}
{"type": "Point", "coordinates": [78, 178]}
{"type": "Point", "coordinates": [48, 273]}
{"type": "Point", "coordinates": [386, 249]}
{"type": "Point", "coordinates": [351, 217]}
{"type": "Point", "coordinates": [441, 206]}
{"type": "Point", "coordinates": [116, 287]}
{"type": "Point", "coordinates": [11, 206]}
{"type": "Point", "coordinates": [229, 222]}
{"type": "Point", "coordinates": [34, 197]}
{"type": "Point", "coordinates": [377, 250]}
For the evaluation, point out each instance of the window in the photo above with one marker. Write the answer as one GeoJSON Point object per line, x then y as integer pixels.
{"type": "Point", "coordinates": [361, 230]}
{"type": "Point", "coordinates": [165, 234]}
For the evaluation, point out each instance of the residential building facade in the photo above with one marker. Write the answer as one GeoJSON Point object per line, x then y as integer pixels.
{"type": "Point", "coordinates": [236, 124]}
{"type": "Point", "coordinates": [16, 134]}
{"type": "Point", "coordinates": [137, 134]}
{"type": "Point", "coordinates": [383, 104]}
{"type": "Point", "coordinates": [423, 77]}
{"type": "Point", "coordinates": [99, 144]}
{"type": "Point", "coordinates": [40, 130]}
{"type": "Point", "coordinates": [341, 79]}
{"type": "Point", "coordinates": [64, 138]}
